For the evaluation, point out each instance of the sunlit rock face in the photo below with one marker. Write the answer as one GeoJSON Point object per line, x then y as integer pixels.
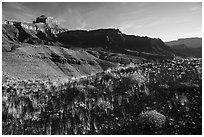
{"type": "Point", "coordinates": [29, 26]}
{"type": "Point", "coordinates": [48, 25]}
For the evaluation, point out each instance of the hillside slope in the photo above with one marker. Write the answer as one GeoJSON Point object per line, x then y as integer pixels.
{"type": "Point", "coordinates": [33, 57]}
{"type": "Point", "coordinates": [190, 52]}
{"type": "Point", "coordinates": [43, 49]}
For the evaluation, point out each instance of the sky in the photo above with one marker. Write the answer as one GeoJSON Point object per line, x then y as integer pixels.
{"type": "Point", "coordinates": [165, 20]}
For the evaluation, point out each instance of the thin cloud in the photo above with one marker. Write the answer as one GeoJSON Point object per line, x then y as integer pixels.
{"type": "Point", "coordinates": [160, 19]}
{"type": "Point", "coordinates": [12, 6]}
{"type": "Point", "coordinates": [83, 26]}
{"type": "Point", "coordinates": [72, 17]}
{"type": "Point", "coordinates": [17, 11]}
{"type": "Point", "coordinates": [195, 8]}
{"type": "Point", "coordinates": [124, 27]}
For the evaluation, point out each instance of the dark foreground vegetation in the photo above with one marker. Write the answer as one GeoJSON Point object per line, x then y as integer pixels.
{"type": "Point", "coordinates": [150, 98]}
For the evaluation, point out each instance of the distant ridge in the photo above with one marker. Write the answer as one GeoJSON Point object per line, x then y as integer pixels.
{"type": "Point", "coordinates": [187, 47]}
{"type": "Point", "coordinates": [45, 30]}
{"type": "Point", "coordinates": [43, 49]}
{"type": "Point", "coordinates": [194, 42]}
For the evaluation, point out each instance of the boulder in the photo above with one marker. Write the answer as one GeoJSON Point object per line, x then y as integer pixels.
{"type": "Point", "coordinates": [41, 19]}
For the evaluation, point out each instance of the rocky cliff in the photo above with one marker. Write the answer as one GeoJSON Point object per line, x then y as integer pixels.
{"type": "Point", "coordinates": [46, 29]}
{"type": "Point", "coordinates": [43, 49]}
{"type": "Point", "coordinates": [115, 40]}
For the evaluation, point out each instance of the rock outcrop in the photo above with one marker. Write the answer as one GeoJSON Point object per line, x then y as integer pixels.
{"type": "Point", "coordinates": [71, 53]}
{"type": "Point", "coordinates": [41, 19]}
{"type": "Point", "coordinates": [47, 29]}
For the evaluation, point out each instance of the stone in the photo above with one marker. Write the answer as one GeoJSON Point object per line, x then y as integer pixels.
{"type": "Point", "coordinates": [41, 19]}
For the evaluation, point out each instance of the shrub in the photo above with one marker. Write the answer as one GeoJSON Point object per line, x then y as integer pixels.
{"type": "Point", "coordinates": [152, 120]}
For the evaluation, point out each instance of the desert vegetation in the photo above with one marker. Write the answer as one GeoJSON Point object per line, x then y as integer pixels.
{"type": "Point", "coordinates": [150, 98]}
